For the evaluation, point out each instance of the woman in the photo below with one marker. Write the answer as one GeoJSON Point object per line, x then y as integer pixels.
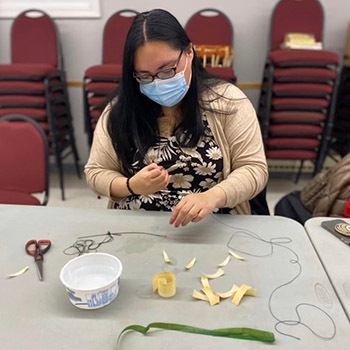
{"type": "Point", "coordinates": [175, 138]}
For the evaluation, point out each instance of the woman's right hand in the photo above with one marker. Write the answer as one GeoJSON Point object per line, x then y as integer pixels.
{"type": "Point", "coordinates": [150, 179]}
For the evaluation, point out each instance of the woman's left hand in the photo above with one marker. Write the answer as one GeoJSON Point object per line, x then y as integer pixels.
{"type": "Point", "coordinates": [195, 206]}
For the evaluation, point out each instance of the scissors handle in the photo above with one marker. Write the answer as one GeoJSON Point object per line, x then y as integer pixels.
{"type": "Point", "coordinates": [44, 245]}
{"type": "Point", "coordinates": [38, 248]}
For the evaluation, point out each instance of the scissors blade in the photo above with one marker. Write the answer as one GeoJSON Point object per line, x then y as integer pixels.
{"type": "Point", "coordinates": [39, 265]}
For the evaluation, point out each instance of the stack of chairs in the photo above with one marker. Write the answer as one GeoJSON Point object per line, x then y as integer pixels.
{"type": "Point", "coordinates": [297, 100]}
{"type": "Point", "coordinates": [101, 80]}
{"type": "Point", "coordinates": [34, 84]}
{"type": "Point", "coordinates": [208, 29]}
{"type": "Point", "coordinates": [340, 141]}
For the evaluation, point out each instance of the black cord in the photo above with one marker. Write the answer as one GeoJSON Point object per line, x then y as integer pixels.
{"type": "Point", "coordinates": [279, 242]}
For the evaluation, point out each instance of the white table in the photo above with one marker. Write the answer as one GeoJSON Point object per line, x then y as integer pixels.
{"type": "Point", "coordinates": [335, 257]}
{"type": "Point", "coordinates": [38, 315]}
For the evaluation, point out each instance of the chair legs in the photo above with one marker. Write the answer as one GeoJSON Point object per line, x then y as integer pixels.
{"type": "Point", "coordinates": [299, 171]}
{"type": "Point", "coordinates": [61, 128]}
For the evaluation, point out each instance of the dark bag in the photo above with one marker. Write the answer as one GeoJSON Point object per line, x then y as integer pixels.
{"type": "Point", "coordinates": [258, 204]}
{"type": "Point", "coordinates": [291, 207]}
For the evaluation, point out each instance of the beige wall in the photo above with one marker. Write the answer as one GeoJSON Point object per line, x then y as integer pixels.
{"type": "Point", "coordinates": [81, 39]}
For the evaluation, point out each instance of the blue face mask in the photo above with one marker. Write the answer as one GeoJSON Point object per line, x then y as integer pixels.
{"type": "Point", "coordinates": [168, 92]}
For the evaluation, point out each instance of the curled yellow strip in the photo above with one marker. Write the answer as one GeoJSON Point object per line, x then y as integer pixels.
{"type": "Point", "coordinates": [243, 290]}
{"type": "Point", "coordinates": [18, 273]}
{"type": "Point", "coordinates": [166, 257]}
{"type": "Point", "coordinates": [235, 255]}
{"type": "Point", "coordinates": [190, 264]}
{"type": "Point", "coordinates": [217, 274]}
{"type": "Point", "coordinates": [225, 262]}
{"type": "Point", "coordinates": [165, 283]}
{"type": "Point", "coordinates": [230, 293]}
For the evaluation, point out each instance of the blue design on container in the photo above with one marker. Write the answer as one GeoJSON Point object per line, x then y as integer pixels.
{"type": "Point", "coordinates": [72, 296]}
{"type": "Point", "coordinates": [102, 297]}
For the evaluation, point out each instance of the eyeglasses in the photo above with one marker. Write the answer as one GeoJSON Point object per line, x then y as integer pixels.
{"type": "Point", "coordinates": [166, 73]}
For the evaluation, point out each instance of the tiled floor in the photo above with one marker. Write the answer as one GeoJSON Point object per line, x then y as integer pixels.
{"type": "Point", "coordinates": [78, 194]}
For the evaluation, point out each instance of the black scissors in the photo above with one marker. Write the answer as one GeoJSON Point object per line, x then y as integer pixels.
{"type": "Point", "coordinates": [38, 249]}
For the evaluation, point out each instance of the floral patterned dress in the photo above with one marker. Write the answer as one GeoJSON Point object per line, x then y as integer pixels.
{"type": "Point", "coordinates": [192, 170]}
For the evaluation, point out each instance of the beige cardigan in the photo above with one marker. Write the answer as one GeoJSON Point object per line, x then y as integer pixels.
{"type": "Point", "coordinates": [236, 132]}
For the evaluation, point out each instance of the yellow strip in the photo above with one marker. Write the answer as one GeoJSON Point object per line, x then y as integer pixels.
{"type": "Point", "coordinates": [243, 290]}
{"type": "Point", "coordinates": [18, 273]}
{"type": "Point", "coordinates": [218, 273]}
{"type": "Point", "coordinates": [74, 83]}
{"type": "Point", "coordinates": [190, 264]}
{"type": "Point", "coordinates": [247, 85]}
{"type": "Point", "coordinates": [235, 255]}
{"type": "Point", "coordinates": [199, 295]}
{"type": "Point", "coordinates": [230, 293]}
{"type": "Point", "coordinates": [225, 262]}
{"type": "Point", "coordinates": [166, 257]}
{"type": "Point", "coordinates": [213, 298]}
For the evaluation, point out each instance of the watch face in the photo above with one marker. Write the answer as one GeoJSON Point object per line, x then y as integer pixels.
{"type": "Point", "coordinates": [343, 229]}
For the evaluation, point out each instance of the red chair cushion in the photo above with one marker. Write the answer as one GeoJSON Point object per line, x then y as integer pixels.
{"type": "Point", "coordinates": [303, 56]}
{"type": "Point", "coordinates": [302, 88]}
{"type": "Point", "coordinates": [101, 87]}
{"type": "Point", "coordinates": [296, 116]}
{"type": "Point", "coordinates": [96, 100]}
{"type": "Point", "coordinates": [33, 99]}
{"type": "Point", "coordinates": [287, 142]}
{"type": "Point", "coordinates": [14, 85]}
{"type": "Point", "coordinates": [312, 73]}
{"type": "Point", "coordinates": [18, 85]}
{"type": "Point", "coordinates": [300, 102]}
{"type": "Point", "coordinates": [105, 71]}
{"type": "Point", "coordinates": [27, 69]}
{"type": "Point", "coordinates": [291, 154]}
{"type": "Point", "coordinates": [225, 72]}
{"type": "Point", "coordinates": [295, 130]}
{"type": "Point", "coordinates": [34, 113]}
{"type": "Point", "coordinates": [95, 113]}
{"type": "Point", "coordinates": [13, 197]}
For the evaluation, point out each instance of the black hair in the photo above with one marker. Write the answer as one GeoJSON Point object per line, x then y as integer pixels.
{"type": "Point", "coordinates": [133, 117]}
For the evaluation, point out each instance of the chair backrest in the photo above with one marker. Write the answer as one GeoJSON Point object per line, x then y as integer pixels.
{"type": "Point", "coordinates": [34, 39]}
{"type": "Point", "coordinates": [211, 27]}
{"type": "Point", "coordinates": [24, 156]}
{"type": "Point", "coordinates": [114, 36]}
{"type": "Point", "coordinates": [303, 16]}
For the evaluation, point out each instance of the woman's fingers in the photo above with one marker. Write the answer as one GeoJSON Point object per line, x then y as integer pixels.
{"type": "Point", "coordinates": [192, 208]}
{"type": "Point", "coordinates": [180, 213]}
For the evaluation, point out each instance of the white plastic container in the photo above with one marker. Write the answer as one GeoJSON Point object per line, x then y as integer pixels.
{"type": "Point", "coordinates": [92, 280]}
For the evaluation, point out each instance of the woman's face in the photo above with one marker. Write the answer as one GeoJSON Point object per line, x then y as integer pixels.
{"type": "Point", "coordinates": [155, 56]}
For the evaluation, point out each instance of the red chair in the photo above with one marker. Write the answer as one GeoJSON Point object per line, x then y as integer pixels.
{"type": "Point", "coordinates": [24, 156]}
{"type": "Point", "coordinates": [297, 100]}
{"type": "Point", "coordinates": [212, 27]}
{"type": "Point", "coordinates": [101, 80]}
{"type": "Point", "coordinates": [34, 83]}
